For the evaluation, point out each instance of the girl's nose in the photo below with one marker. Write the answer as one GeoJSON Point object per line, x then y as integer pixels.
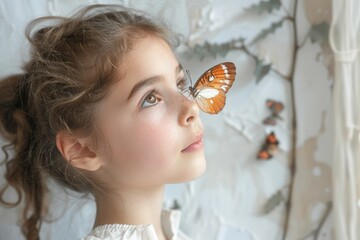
{"type": "Point", "coordinates": [189, 111]}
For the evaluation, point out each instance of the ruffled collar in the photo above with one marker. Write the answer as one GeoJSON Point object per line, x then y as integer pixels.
{"type": "Point", "coordinates": [170, 221]}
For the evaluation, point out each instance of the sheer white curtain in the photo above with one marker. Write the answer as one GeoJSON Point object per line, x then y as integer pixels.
{"type": "Point", "coordinates": [345, 42]}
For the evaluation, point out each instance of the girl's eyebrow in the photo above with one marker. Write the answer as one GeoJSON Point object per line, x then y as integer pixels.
{"type": "Point", "coordinates": [143, 83]}
{"type": "Point", "coordinates": [149, 81]}
{"type": "Point", "coordinates": [179, 68]}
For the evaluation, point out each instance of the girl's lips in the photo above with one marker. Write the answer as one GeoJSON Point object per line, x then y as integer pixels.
{"type": "Point", "coordinates": [196, 145]}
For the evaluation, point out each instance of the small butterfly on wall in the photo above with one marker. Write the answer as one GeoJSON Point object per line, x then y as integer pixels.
{"type": "Point", "coordinates": [209, 91]}
{"type": "Point", "coordinates": [275, 108]}
{"type": "Point", "coordinates": [269, 148]}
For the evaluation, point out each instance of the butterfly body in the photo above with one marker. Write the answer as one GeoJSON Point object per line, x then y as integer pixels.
{"type": "Point", "coordinates": [210, 89]}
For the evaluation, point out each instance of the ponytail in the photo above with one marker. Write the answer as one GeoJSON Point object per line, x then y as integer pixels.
{"type": "Point", "coordinates": [22, 173]}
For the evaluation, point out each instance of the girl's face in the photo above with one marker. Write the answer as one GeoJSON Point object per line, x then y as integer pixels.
{"type": "Point", "coordinates": [148, 123]}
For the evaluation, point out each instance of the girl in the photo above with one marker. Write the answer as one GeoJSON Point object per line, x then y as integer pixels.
{"type": "Point", "coordinates": [99, 108]}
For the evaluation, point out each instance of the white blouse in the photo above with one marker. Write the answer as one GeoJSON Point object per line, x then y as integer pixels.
{"type": "Point", "coordinates": [170, 221]}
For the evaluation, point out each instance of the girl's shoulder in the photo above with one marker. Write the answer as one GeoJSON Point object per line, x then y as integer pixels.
{"type": "Point", "coordinates": [170, 220]}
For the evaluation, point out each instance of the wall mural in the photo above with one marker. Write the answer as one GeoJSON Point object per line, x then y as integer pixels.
{"type": "Point", "coordinates": [317, 33]}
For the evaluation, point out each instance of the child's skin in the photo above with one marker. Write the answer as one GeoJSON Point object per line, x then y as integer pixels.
{"type": "Point", "coordinates": [146, 133]}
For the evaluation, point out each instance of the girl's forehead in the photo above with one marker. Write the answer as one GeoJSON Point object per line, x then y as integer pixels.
{"type": "Point", "coordinates": [149, 56]}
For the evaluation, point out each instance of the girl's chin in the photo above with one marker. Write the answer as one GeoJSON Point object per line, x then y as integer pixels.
{"type": "Point", "coordinates": [193, 172]}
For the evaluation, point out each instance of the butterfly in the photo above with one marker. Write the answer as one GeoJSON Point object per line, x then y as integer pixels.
{"type": "Point", "coordinates": [209, 91]}
{"type": "Point", "coordinates": [276, 108]}
{"type": "Point", "coordinates": [269, 148]}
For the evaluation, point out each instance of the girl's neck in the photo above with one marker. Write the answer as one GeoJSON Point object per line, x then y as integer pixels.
{"type": "Point", "coordinates": [131, 205]}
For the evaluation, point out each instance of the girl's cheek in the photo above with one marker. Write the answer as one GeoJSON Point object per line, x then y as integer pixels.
{"type": "Point", "coordinates": [146, 153]}
{"type": "Point", "coordinates": [148, 136]}
{"type": "Point", "coordinates": [156, 134]}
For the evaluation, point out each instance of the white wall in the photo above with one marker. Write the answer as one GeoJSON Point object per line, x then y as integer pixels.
{"type": "Point", "coordinates": [227, 201]}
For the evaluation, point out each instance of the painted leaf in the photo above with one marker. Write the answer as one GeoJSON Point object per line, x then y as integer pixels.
{"type": "Point", "coordinates": [175, 205]}
{"type": "Point", "coordinates": [273, 27]}
{"type": "Point", "coordinates": [264, 6]}
{"type": "Point", "coordinates": [213, 49]}
{"type": "Point", "coordinates": [273, 202]}
{"type": "Point", "coordinates": [261, 70]}
{"type": "Point", "coordinates": [319, 32]}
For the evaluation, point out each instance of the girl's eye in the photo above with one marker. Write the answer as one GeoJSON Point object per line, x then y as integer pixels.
{"type": "Point", "coordinates": [180, 84]}
{"type": "Point", "coordinates": [183, 84]}
{"type": "Point", "coordinates": [151, 99]}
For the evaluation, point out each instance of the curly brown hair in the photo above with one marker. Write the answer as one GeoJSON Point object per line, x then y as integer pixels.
{"type": "Point", "coordinates": [74, 62]}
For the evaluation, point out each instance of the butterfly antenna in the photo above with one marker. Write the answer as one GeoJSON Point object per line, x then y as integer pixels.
{"type": "Point", "coordinates": [188, 74]}
{"type": "Point", "coordinates": [188, 89]}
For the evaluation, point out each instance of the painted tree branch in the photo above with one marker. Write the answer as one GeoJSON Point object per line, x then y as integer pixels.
{"type": "Point", "coordinates": [294, 123]}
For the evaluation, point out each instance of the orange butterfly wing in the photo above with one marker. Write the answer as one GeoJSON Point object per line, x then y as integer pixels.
{"type": "Point", "coordinates": [270, 121]}
{"type": "Point", "coordinates": [211, 87]}
{"type": "Point", "coordinates": [269, 148]}
{"type": "Point", "coordinates": [264, 155]}
{"type": "Point", "coordinates": [211, 100]}
{"type": "Point", "coordinates": [275, 106]}
{"type": "Point", "coordinates": [272, 139]}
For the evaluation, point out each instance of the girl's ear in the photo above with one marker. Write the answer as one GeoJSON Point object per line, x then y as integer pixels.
{"type": "Point", "coordinates": [77, 152]}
